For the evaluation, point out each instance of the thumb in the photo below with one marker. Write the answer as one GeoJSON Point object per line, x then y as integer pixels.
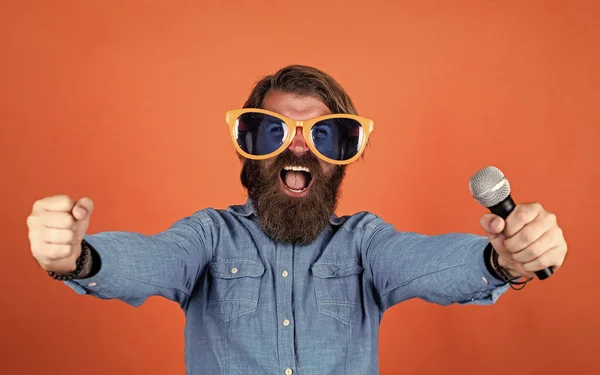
{"type": "Point", "coordinates": [492, 224]}
{"type": "Point", "coordinates": [82, 209]}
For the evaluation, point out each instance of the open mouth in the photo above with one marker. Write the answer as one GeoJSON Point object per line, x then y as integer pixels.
{"type": "Point", "coordinates": [296, 180]}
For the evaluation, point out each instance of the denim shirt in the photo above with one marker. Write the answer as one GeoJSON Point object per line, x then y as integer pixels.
{"type": "Point", "coordinates": [255, 306]}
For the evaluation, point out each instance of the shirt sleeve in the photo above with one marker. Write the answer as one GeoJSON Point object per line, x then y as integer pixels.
{"type": "Point", "coordinates": [442, 269]}
{"type": "Point", "coordinates": [135, 267]}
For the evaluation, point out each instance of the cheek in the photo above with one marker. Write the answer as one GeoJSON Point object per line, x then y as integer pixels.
{"type": "Point", "coordinates": [326, 168]}
{"type": "Point", "coordinates": [266, 169]}
{"type": "Point", "coordinates": [268, 163]}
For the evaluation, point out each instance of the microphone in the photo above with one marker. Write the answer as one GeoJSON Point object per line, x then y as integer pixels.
{"type": "Point", "coordinates": [491, 189]}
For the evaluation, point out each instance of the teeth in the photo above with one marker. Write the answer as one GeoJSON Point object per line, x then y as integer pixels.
{"type": "Point", "coordinates": [296, 191]}
{"type": "Point", "coordinates": [296, 168]}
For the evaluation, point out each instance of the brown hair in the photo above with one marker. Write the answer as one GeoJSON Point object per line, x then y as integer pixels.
{"type": "Point", "coordinates": [305, 81]}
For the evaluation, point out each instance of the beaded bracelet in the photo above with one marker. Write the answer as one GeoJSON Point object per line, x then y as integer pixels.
{"type": "Point", "coordinates": [79, 264]}
{"type": "Point", "coordinates": [502, 273]}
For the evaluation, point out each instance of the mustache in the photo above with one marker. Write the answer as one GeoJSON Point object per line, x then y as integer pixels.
{"type": "Point", "coordinates": [307, 160]}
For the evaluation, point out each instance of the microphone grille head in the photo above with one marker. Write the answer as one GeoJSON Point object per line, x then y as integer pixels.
{"type": "Point", "coordinates": [489, 186]}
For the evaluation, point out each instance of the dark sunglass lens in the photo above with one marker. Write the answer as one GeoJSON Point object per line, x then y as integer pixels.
{"type": "Point", "coordinates": [259, 133]}
{"type": "Point", "coordinates": [338, 138]}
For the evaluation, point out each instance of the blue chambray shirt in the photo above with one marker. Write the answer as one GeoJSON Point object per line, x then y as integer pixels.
{"type": "Point", "coordinates": [255, 306]}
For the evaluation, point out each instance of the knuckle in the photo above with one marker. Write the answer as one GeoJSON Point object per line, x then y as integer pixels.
{"type": "Point", "coordinates": [552, 217]}
{"type": "Point", "coordinates": [536, 206]}
{"type": "Point", "coordinates": [35, 248]}
{"type": "Point", "coordinates": [528, 236]}
{"type": "Point", "coordinates": [535, 252]}
{"type": "Point", "coordinates": [36, 205]}
{"type": "Point", "coordinates": [31, 221]}
{"type": "Point", "coordinates": [45, 263]}
{"type": "Point", "coordinates": [522, 215]}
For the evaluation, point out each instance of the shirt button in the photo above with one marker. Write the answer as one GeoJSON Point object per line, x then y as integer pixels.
{"type": "Point", "coordinates": [234, 270]}
{"type": "Point", "coordinates": [284, 274]}
{"type": "Point", "coordinates": [286, 322]}
{"type": "Point", "coordinates": [288, 371]}
{"type": "Point", "coordinates": [92, 284]}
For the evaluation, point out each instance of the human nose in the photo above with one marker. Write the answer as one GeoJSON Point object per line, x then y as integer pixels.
{"type": "Point", "coordinates": [298, 145]}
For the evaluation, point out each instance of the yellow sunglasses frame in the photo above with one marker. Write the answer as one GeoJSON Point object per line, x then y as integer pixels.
{"type": "Point", "coordinates": [306, 125]}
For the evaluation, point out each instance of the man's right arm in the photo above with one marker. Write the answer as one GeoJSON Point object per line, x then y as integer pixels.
{"type": "Point", "coordinates": [128, 266]}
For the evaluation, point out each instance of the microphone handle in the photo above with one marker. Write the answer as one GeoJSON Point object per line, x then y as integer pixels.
{"type": "Point", "coordinates": [503, 209]}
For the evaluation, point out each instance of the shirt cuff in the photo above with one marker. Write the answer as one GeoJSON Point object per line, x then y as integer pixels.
{"type": "Point", "coordinates": [492, 288]}
{"type": "Point", "coordinates": [103, 279]}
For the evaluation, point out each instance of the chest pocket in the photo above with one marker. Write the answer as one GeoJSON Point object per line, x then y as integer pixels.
{"type": "Point", "coordinates": [235, 287]}
{"type": "Point", "coordinates": [338, 290]}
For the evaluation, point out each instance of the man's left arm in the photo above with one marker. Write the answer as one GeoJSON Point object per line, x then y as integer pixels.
{"type": "Point", "coordinates": [451, 268]}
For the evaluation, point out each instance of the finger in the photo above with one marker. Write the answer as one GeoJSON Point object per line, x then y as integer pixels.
{"type": "Point", "coordinates": [35, 240]}
{"type": "Point", "coordinates": [492, 224]}
{"type": "Point", "coordinates": [83, 209]}
{"type": "Point", "coordinates": [59, 236]}
{"type": "Point", "coordinates": [551, 258]}
{"type": "Point", "coordinates": [33, 221]}
{"type": "Point", "coordinates": [58, 220]}
{"type": "Point", "coordinates": [498, 244]}
{"type": "Point", "coordinates": [61, 203]}
{"type": "Point", "coordinates": [522, 215]}
{"type": "Point", "coordinates": [534, 250]}
{"type": "Point", "coordinates": [60, 266]}
{"type": "Point", "coordinates": [530, 232]}
{"type": "Point", "coordinates": [57, 251]}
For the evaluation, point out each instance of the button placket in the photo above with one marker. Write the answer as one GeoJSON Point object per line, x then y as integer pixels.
{"type": "Point", "coordinates": [284, 283]}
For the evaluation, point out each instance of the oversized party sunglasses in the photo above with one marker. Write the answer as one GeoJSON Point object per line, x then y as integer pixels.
{"type": "Point", "coordinates": [260, 134]}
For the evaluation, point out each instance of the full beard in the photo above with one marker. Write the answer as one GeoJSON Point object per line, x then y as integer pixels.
{"type": "Point", "coordinates": [286, 219]}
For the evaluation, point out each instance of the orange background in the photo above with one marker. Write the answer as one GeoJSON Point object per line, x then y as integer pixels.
{"type": "Point", "coordinates": [124, 102]}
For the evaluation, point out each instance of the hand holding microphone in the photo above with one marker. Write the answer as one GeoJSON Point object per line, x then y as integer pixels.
{"type": "Point", "coordinates": [527, 237]}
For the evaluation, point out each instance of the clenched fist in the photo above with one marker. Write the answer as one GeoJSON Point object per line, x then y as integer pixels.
{"type": "Point", "coordinates": [56, 227]}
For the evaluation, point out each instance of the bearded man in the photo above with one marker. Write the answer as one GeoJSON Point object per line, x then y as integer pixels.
{"type": "Point", "coordinates": [281, 285]}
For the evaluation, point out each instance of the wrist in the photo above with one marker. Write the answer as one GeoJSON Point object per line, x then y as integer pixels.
{"type": "Point", "coordinates": [505, 271]}
{"type": "Point", "coordinates": [87, 265]}
{"type": "Point", "coordinates": [83, 265]}
{"type": "Point", "coordinates": [506, 266]}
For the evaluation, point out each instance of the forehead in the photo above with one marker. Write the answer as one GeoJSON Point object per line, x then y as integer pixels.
{"type": "Point", "coordinates": [294, 106]}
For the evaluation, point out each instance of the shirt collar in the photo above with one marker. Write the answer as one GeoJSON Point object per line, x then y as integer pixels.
{"type": "Point", "coordinates": [247, 210]}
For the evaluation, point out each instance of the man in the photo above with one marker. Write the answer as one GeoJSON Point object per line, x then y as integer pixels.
{"type": "Point", "coordinates": [281, 285]}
